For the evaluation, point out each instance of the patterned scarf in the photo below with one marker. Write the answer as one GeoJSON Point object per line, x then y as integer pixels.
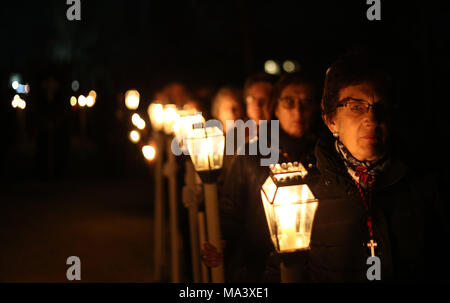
{"type": "Point", "coordinates": [363, 172]}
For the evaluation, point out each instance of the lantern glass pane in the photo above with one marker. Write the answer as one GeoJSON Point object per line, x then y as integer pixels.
{"type": "Point", "coordinates": [290, 215]}
{"type": "Point", "coordinates": [206, 147]}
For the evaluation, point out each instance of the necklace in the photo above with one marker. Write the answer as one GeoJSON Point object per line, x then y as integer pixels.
{"type": "Point", "coordinates": [371, 244]}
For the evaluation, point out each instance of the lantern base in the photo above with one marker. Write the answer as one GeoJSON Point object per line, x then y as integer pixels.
{"type": "Point", "coordinates": [209, 176]}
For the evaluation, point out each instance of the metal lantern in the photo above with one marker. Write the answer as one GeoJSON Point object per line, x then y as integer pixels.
{"type": "Point", "coordinates": [184, 124]}
{"type": "Point", "coordinates": [206, 147]}
{"type": "Point", "coordinates": [290, 206]}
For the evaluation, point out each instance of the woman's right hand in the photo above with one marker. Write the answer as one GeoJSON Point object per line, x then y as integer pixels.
{"type": "Point", "coordinates": [210, 256]}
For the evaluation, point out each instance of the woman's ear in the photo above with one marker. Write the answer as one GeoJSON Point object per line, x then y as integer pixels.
{"type": "Point", "coordinates": [329, 122]}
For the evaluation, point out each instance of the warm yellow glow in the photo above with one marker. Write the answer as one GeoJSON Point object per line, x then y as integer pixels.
{"type": "Point", "coordinates": [82, 101]}
{"type": "Point", "coordinates": [132, 99]}
{"type": "Point", "coordinates": [170, 116]}
{"type": "Point", "coordinates": [149, 152]}
{"type": "Point", "coordinates": [184, 124]}
{"type": "Point", "coordinates": [135, 136]}
{"type": "Point", "coordinates": [271, 67]}
{"type": "Point", "coordinates": [155, 112]}
{"type": "Point", "coordinates": [289, 66]}
{"type": "Point", "coordinates": [289, 206]}
{"type": "Point", "coordinates": [73, 101]}
{"type": "Point", "coordinates": [138, 121]}
{"type": "Point", "coordinates": [206, 148]}
{"type": "Point", "coordinates": [90, 101]}
{"type": "Point", "coordinates": [18, 102]}
{"type": "Point", "coordinates": [22, 104]}
{"type": "Point", "coordinates": [93, 94]}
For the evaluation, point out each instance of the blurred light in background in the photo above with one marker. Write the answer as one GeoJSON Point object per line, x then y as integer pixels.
{"type": "Point", "coordinates": [132, 99]}
{"type": "Point", "coordinates": [170, 116]}
{"type": "Point", "coordinates": [149, 152]}
{"type": "Point", "coordinates": [75, 85]}
{"type": "Point", "coordinates": [138, 121]}
{"type": "Point", "coordinates": [82, 101]}
{"type": "Point", "coordinates": [73, 101]}
{"type": "Point", "coordinates": [271, 67]}
{"type": "Point", "coordinates": [290, 66]}
{"type": "Point", "coordinates": [15, 85]}
{"type": "Point", "coordinates": [18, 102]}
{"type": "Point", "coordinates": [90, 101]}
{"type": "Point", "coordinates": [156, 114]}
{"type": "Point", "coordinates": [135, 136]}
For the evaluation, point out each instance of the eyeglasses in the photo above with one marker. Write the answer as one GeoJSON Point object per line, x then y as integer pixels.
{"type": "Point", "coordinates": [361, 107]}
{"type": "Point", "coordinates": [253, 100]}
{"type": "Point", "coordinates": [290, 103]}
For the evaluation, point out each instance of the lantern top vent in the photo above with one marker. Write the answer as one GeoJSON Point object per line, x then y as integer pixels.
{"type": "Point", "coordinates": [286, 174]}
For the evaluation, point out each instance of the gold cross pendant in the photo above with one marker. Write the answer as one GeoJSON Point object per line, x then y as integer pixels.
{"type": "Point", "coordinates": [372, 244]}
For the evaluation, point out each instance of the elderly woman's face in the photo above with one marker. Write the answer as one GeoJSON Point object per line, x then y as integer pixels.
{"type": "Point", "coordinates": [361, 127]}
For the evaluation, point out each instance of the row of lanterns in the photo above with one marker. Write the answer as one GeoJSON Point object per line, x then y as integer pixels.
{"type": "Point", "coordinates": [288, 202]}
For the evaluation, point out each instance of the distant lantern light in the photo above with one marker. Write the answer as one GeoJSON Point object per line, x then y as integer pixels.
{"type": "Point", "coordinates": [156, 114]}
{"type": "Point", "coordinates": [73, 101]}
{"type": "Point", "coordinates": [289, 66]}
{"type": "Point", "coordinates": [90, 101]}
{"type": "Point", "coordinates": [149, 152]}
{"type": "Point", "coordinates": [22, 104]}
{"type": "Point", "coordinates": [15, 85]}
{"type": "Point", "coordinates": [93, 94]}
{"type": "Point", "coordinates": [135, 136]}
{"type": "Point", "coordinates": [132, 99]}
{"type": "Point", "coordinates": [271, 67]}
{"type": "Point", "coordinates": [138, 121]}
{"type": "Point", "coordinates": [82, 101]}
{"type": "Point", "coordinates": [170, 116]}
{"type": "Point", "coordinates": [75, 85]}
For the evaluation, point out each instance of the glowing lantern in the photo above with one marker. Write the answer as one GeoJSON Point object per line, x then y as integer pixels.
{"type": "Point", "coordinates": [184, 124]}
{"type": "Point", "coordinates": [170, 116]}
{"type": "Point", "coordinates": [132, 99]}
{"type": "Point", "coordinates": [135, 136]}
{"type": "Point", "coordinates": [206, 147]}
{"type": "Point", "coordinates": [156, 114]}
{"type": "Point", "coordinates": [138, 121]}
{"type": "Point", "coordinates": [290, 207]}
{"type": "Point", "coordinates": [149, 152]}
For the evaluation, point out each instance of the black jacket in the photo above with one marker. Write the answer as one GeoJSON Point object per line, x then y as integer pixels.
{"type": "Point", "coordinates": [403, 200]}
{"type": "Point", "coordinates": [243, 221]}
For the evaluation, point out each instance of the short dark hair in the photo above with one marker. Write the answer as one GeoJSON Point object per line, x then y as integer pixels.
{"type": "Point", "coordinates": [355, 67]}
{"type": "Point", "coordinates": [296, 78]}
{"type": "Point", "coordinates": [258, 78]}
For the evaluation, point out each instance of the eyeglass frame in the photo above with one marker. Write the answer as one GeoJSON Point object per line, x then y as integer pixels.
{"type": "Point", "coordinates": [345, 101]}
{"type": "Point", "coordinates": [302, 104]}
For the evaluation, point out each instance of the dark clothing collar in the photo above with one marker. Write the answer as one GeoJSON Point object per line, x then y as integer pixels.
{"type": "Point", "coordinates": [329, 163]}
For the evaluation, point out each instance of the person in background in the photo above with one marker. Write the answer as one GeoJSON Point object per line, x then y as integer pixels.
{"type": "Point", "coordinates": [243, 223]}
{"type": "Point", "coordinates": [227, 105]}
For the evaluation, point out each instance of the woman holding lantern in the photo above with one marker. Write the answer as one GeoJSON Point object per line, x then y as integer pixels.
{"type": "Point", "coordinates": [243, 223]}
{"type": "Point", "coordinates": [370, 203]}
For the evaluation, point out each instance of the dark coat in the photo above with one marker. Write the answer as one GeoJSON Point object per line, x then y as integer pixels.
{"type": "Point", "coordinates": [402, 198]}
{"type": "Point", "coordinates": [243, 221]}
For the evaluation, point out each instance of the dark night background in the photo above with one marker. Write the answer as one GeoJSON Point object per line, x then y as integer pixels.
{"type": "Point", "coordinates": [119, 45]}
